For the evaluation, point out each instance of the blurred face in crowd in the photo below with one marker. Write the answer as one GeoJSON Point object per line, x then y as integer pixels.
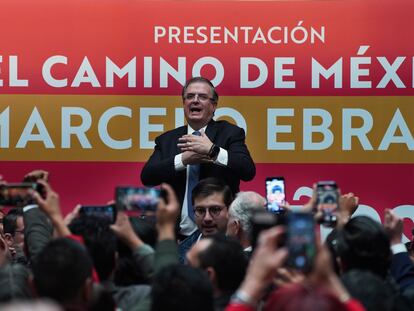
{"type": "Point", "coordinates": [16, 240]}
{"type": "Point", "coordinates": [211, 214]}
{"type": "Point", "coordinates": [193, 254]}
{"type": "Point", "coordinates": [198, 104]}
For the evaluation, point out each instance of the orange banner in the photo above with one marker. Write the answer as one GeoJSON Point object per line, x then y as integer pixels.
{"type": "Point", "coordinates": [279, 129]}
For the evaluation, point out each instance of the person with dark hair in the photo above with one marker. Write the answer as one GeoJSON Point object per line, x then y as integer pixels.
{"type": "Point", "coordinates": [128, 270]}
{"type": "Point", "coordinates": [14, 277]}
{"type": "Point", "coordinates": [369, 289]}
{"type": "Point", "coordinates": [13, 227]}
{"type": "Point", "coordinates": [100, 242]}
{"type": "Point", "coordinates": [211, 198]}
{"type": "Point", "coordinates": [181, 288]}
{"type": "Point", "coordinates": [363, 244]}
{"type": "Point", "coordinates": [225, 263]}
{"type": "Point", "coordinates": [14, 282]}
{"type": "Point", "coordinates": [144, 227]}
{"type": "Point", "coordinates": [62, 271]}
{"type": "Point", "coordinates": [174, 286]}
{"type": "Point", "coordinates": [203, 148]}
{"type": "Point", "coordinates": [320, 291]}
{"type": "Point", "coordinates": [95, 233]}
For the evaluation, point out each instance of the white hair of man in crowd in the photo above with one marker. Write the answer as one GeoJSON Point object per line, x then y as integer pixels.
{"type": "Point", "coordinates": [240, 212]}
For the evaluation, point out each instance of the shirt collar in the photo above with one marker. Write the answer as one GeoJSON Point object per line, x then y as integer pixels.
{"type": "Point", "coordinates": [190, 130]}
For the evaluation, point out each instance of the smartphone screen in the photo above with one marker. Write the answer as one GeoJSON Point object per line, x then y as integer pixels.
{"type": "Point", "coordinates": [140, 200]}
{"type": "Point", "coordinates": [327, 200]}
{"type": "Point", "coordinates": [103, 211]}
{"type": "Point", "coordinates": [301, 241]}
{"type": "Point", "coordinates": [275, 193]}
{"type": "Point", "coordinates": [17, 194]}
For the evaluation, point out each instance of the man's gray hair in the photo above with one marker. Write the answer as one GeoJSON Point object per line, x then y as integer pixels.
{"type": "Point", "coordinates": [242, 206]}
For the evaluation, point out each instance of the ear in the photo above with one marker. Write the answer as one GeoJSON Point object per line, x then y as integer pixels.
{"type": "Point", "coordinates": [211, 273]}
{"type": "Point", "coordinates": [9, 239]}
{"type": "Point", "coordinates": [214, 105]}
{"type": "Point", "coordinates": [237, 227]}
{"type": "Point", "coordinates": [87, 291]}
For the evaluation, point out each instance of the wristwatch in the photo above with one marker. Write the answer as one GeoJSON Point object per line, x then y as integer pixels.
{"type": "Point", "coordinates": [214, 151]}
{"type": "Point", "coordinates": [240, 297]}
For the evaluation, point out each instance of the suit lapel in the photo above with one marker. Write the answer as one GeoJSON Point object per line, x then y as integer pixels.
{"type": "Point", "coordinates": [211, 130]}
{"type": "Point", "coordinates": [180, 131]}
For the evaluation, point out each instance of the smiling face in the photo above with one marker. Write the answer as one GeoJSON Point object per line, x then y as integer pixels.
{"type": "Point", "coordinates": [199, 109]}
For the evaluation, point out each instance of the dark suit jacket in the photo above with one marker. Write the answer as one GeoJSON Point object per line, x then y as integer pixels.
{"type": "Point", "coordinates": [38, 231]}
{"type": "Point", "coordinates": [160, 167]}
{"type": "Point", "coordinates": [402, 269]}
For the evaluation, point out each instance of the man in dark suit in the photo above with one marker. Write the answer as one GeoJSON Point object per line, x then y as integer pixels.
{"type": "Point", "coordinates": [215, 148]}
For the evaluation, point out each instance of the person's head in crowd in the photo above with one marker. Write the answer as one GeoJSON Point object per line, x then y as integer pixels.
{"type": "Point", "coordinates": [14, 283]}
{"type": "Point", "coordinates": [224, 261]}
{"type": "Point", "coordinates": [211, 200]}
{"type": "Point", "coordinates": [62, 271]}
{"type": "Point", "coordinates": [369, 289]}
{"type": "Point", "coordinates": [363, 244]}
{"type": "Point", "coordinates": [13, 226]}
{"type": "Point", "coordinates": [331, 244]}
{"type": "Point", "coordinates": [128, 272]}
{"type": "Point", "coordinates": [240, 214]}
{"type": "Point", "coordinates": [145, 228]}
{"type": "Point", "coordinates": [200, 101]}
{"type": "Point", "coordinates": [100, 242]}
{"type": "Point", "coordinates": [181, 288]}
{"type": "Point", "coordinates": [299, 297]}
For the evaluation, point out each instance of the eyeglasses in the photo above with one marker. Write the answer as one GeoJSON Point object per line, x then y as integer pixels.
{"type": "Point", "coordinates": [201, 97]}
{"type": "Point", "coordinates": [214, 211]}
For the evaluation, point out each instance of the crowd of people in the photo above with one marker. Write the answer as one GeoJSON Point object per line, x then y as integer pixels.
{"type": "Point", "coordinates": [85, 262]}
{"type": "Point", "coordinates": [207, 247]}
